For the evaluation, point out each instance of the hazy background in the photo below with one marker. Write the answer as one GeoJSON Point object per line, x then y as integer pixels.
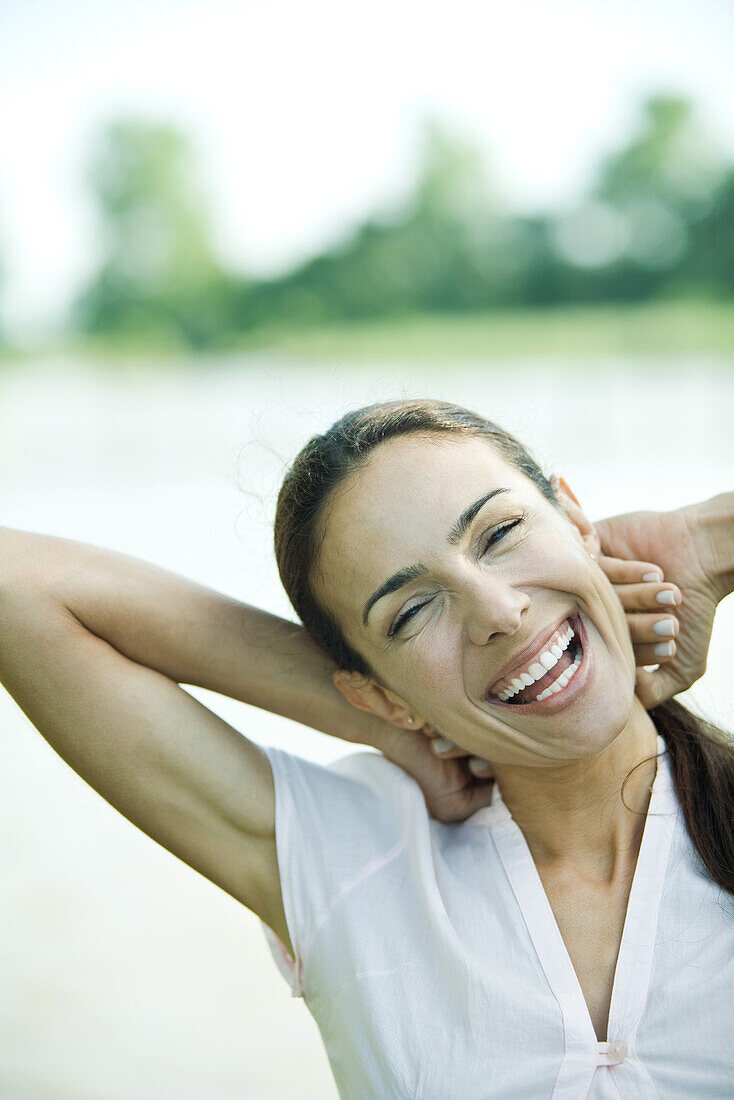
{"type": "Point", "coordinates": [196, 176]}
{"type": "Point", "coordinates": [220, 226]}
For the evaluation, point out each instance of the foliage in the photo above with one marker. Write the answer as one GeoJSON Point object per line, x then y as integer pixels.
{"type": "Point", "coordinates": [159, 277]}
{"type": "Point", "coordinates": [658, 223]}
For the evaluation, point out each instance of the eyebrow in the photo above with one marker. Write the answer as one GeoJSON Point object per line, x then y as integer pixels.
{"type": "Point", "coordinates": [412, 572]}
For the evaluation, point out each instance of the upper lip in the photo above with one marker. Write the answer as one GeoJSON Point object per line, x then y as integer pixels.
{"type": "Point", "coordinates": [531, 649]}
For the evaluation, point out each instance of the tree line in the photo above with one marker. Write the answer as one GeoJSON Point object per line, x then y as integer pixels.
{"type": "Point", "coordinates": [657, 222]}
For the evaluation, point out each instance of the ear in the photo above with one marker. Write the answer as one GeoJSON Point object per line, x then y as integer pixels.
{"type": "Point", "coordinates": [576, 514]}
{"type": "Point", "coordinates": [364, 693]}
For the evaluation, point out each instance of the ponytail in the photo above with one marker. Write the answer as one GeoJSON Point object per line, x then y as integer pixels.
{"type": "Point", "coordinates": [702, 763]}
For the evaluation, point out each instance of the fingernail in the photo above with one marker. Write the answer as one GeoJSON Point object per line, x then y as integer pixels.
{"type": "Point", "coordinates": [668, 596]}
{"type": "Point", "coordinates": [665, 628]}
{"type": "Point", "coordinates": [442, 744]}
{"type": "Point", "coordinates": [651, 577]}
{"type": "Point", "coordinates": [664, 649]}
{"type": "Point", "coordinates": [478, 765]}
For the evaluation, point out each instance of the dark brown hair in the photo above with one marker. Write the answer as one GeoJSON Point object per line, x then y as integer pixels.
{"type": "Point", "coordinates": [701, 756]}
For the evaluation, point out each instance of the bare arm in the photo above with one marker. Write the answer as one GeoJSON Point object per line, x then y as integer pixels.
{"type": "Point", "coordinates": [172, 767]}
{"type": "Point", "coordinates": [714, 520]}
{"type": "Point", "coordinates": [189, 633]}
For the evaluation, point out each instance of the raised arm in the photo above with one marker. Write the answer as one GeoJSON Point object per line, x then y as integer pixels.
{"type": "Point", "coordinates": [191, 634]}
{"type": "Point", "coordinates": [712, 526]}
{"type": "Point", "coordinates": [90, 654]}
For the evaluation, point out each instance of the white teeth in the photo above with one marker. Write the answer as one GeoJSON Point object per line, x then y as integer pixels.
{"type": "Point", "coordinates": [561, 682]}
{"type": "Point", "coordinates": [540, 667]}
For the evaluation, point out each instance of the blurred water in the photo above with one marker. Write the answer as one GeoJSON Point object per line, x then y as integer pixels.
{"type": "Point", "coordinates": [125, 976]}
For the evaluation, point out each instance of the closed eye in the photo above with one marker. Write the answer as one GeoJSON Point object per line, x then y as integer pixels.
{"type": "Point", "coordinates": [499, 533]}
{"type": "Point", "coordinates": [495, 536]}
{"type": "Point", "coordinates": [401, 620]}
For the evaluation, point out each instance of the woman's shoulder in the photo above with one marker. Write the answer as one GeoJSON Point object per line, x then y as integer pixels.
{"type": "Point", "coordinates": [359, 790]}
{"type": "Point", "coordinates": [337, 826]}
{"type": "Point", "coordinates": [374, 770]}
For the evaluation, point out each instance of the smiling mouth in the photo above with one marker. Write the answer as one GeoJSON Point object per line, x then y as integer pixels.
{"type": "Point", "coordinates": [549, 673]}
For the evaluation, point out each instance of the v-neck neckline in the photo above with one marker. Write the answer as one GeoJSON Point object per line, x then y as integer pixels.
{"type": "Point", "coordinates": [634, 960]}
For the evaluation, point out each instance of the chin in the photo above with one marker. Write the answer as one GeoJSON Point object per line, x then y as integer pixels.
{"type": "Point", "coordinates": [604, 712]}
{"type": "Point", "coordinates": [597, 731]}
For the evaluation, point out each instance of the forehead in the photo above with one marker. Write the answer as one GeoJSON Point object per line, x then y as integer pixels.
{"type": "Point", "coordinates": [399, 508]}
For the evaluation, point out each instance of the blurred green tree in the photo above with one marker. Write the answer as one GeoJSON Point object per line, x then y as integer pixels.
{"type": "Point", "coordinates": [659, 220]}
{"type": "Point", "coordinates": [671, 161]}
{"type": "Point", "coordinates": [159, 278]}
{"type": "Point", "coordinates": [710, 263]}
{"type": "Point", "coordinates": [649, 215]}
{"type": "Point", "coordinates": [444, 249]}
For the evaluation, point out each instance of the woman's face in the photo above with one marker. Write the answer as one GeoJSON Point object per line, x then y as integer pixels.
{"type": "Point", "coordinates": [458, 581]}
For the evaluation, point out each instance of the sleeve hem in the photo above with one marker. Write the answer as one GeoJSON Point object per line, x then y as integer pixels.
{"type": "Point", "coordinates": [284, 962]}
{"type": "Point", "coordinates": [290, 968]}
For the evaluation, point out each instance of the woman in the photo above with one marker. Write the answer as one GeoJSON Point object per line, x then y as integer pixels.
{"type": "Point", "coordinates": [565, 931]}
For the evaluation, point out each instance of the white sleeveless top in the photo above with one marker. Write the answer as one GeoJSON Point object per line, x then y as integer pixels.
{"type": "Point", "coordinates": [429, 956]}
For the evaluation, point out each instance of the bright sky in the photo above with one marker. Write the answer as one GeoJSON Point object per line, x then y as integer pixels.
{"type": "Point", "coordinates": [305, 112]}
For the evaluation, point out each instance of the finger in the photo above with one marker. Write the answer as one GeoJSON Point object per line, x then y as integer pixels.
{"type": "Point", "coordinates": [655, 654]}
{"type": "Point", "coordinates": [621, 571]}
{"type": "Point", "coordinates": [481, 768]}
{"type": "Point", "coordinates": [647, 688]}
{"type": "Point", "coordinates": [458, 804]}
{"type": "Point", "coordinates": [653, 688]}
{"type": "Point", "coordinates": [445, 749]}
{"type": "Point", "coordinates": [649, 597]}
{"type": "Point", "coordinates": [647, 628]}
{"type": "Point", "coordinates": [477, 797]}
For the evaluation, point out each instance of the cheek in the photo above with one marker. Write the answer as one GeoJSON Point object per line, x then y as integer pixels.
{"type": "Point", "coordinates": [562, 563]}
{"type": "Point", "coordinates": [433, 666]}
{"type": "Point", "coordinates": [616, 613]}
{"type": "Point", "coordinates": [566, 566]}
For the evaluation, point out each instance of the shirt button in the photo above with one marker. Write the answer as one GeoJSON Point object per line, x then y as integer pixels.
{"type": "Point", "coordinates": [617, 1052]}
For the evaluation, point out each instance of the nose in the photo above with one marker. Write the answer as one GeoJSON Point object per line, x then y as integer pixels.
{"type": "Point", "coordinates": [493, 608]}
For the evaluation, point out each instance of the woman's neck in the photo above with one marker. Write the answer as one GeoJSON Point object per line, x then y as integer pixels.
{"type": "Point", "coordinates": [574, 815]}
